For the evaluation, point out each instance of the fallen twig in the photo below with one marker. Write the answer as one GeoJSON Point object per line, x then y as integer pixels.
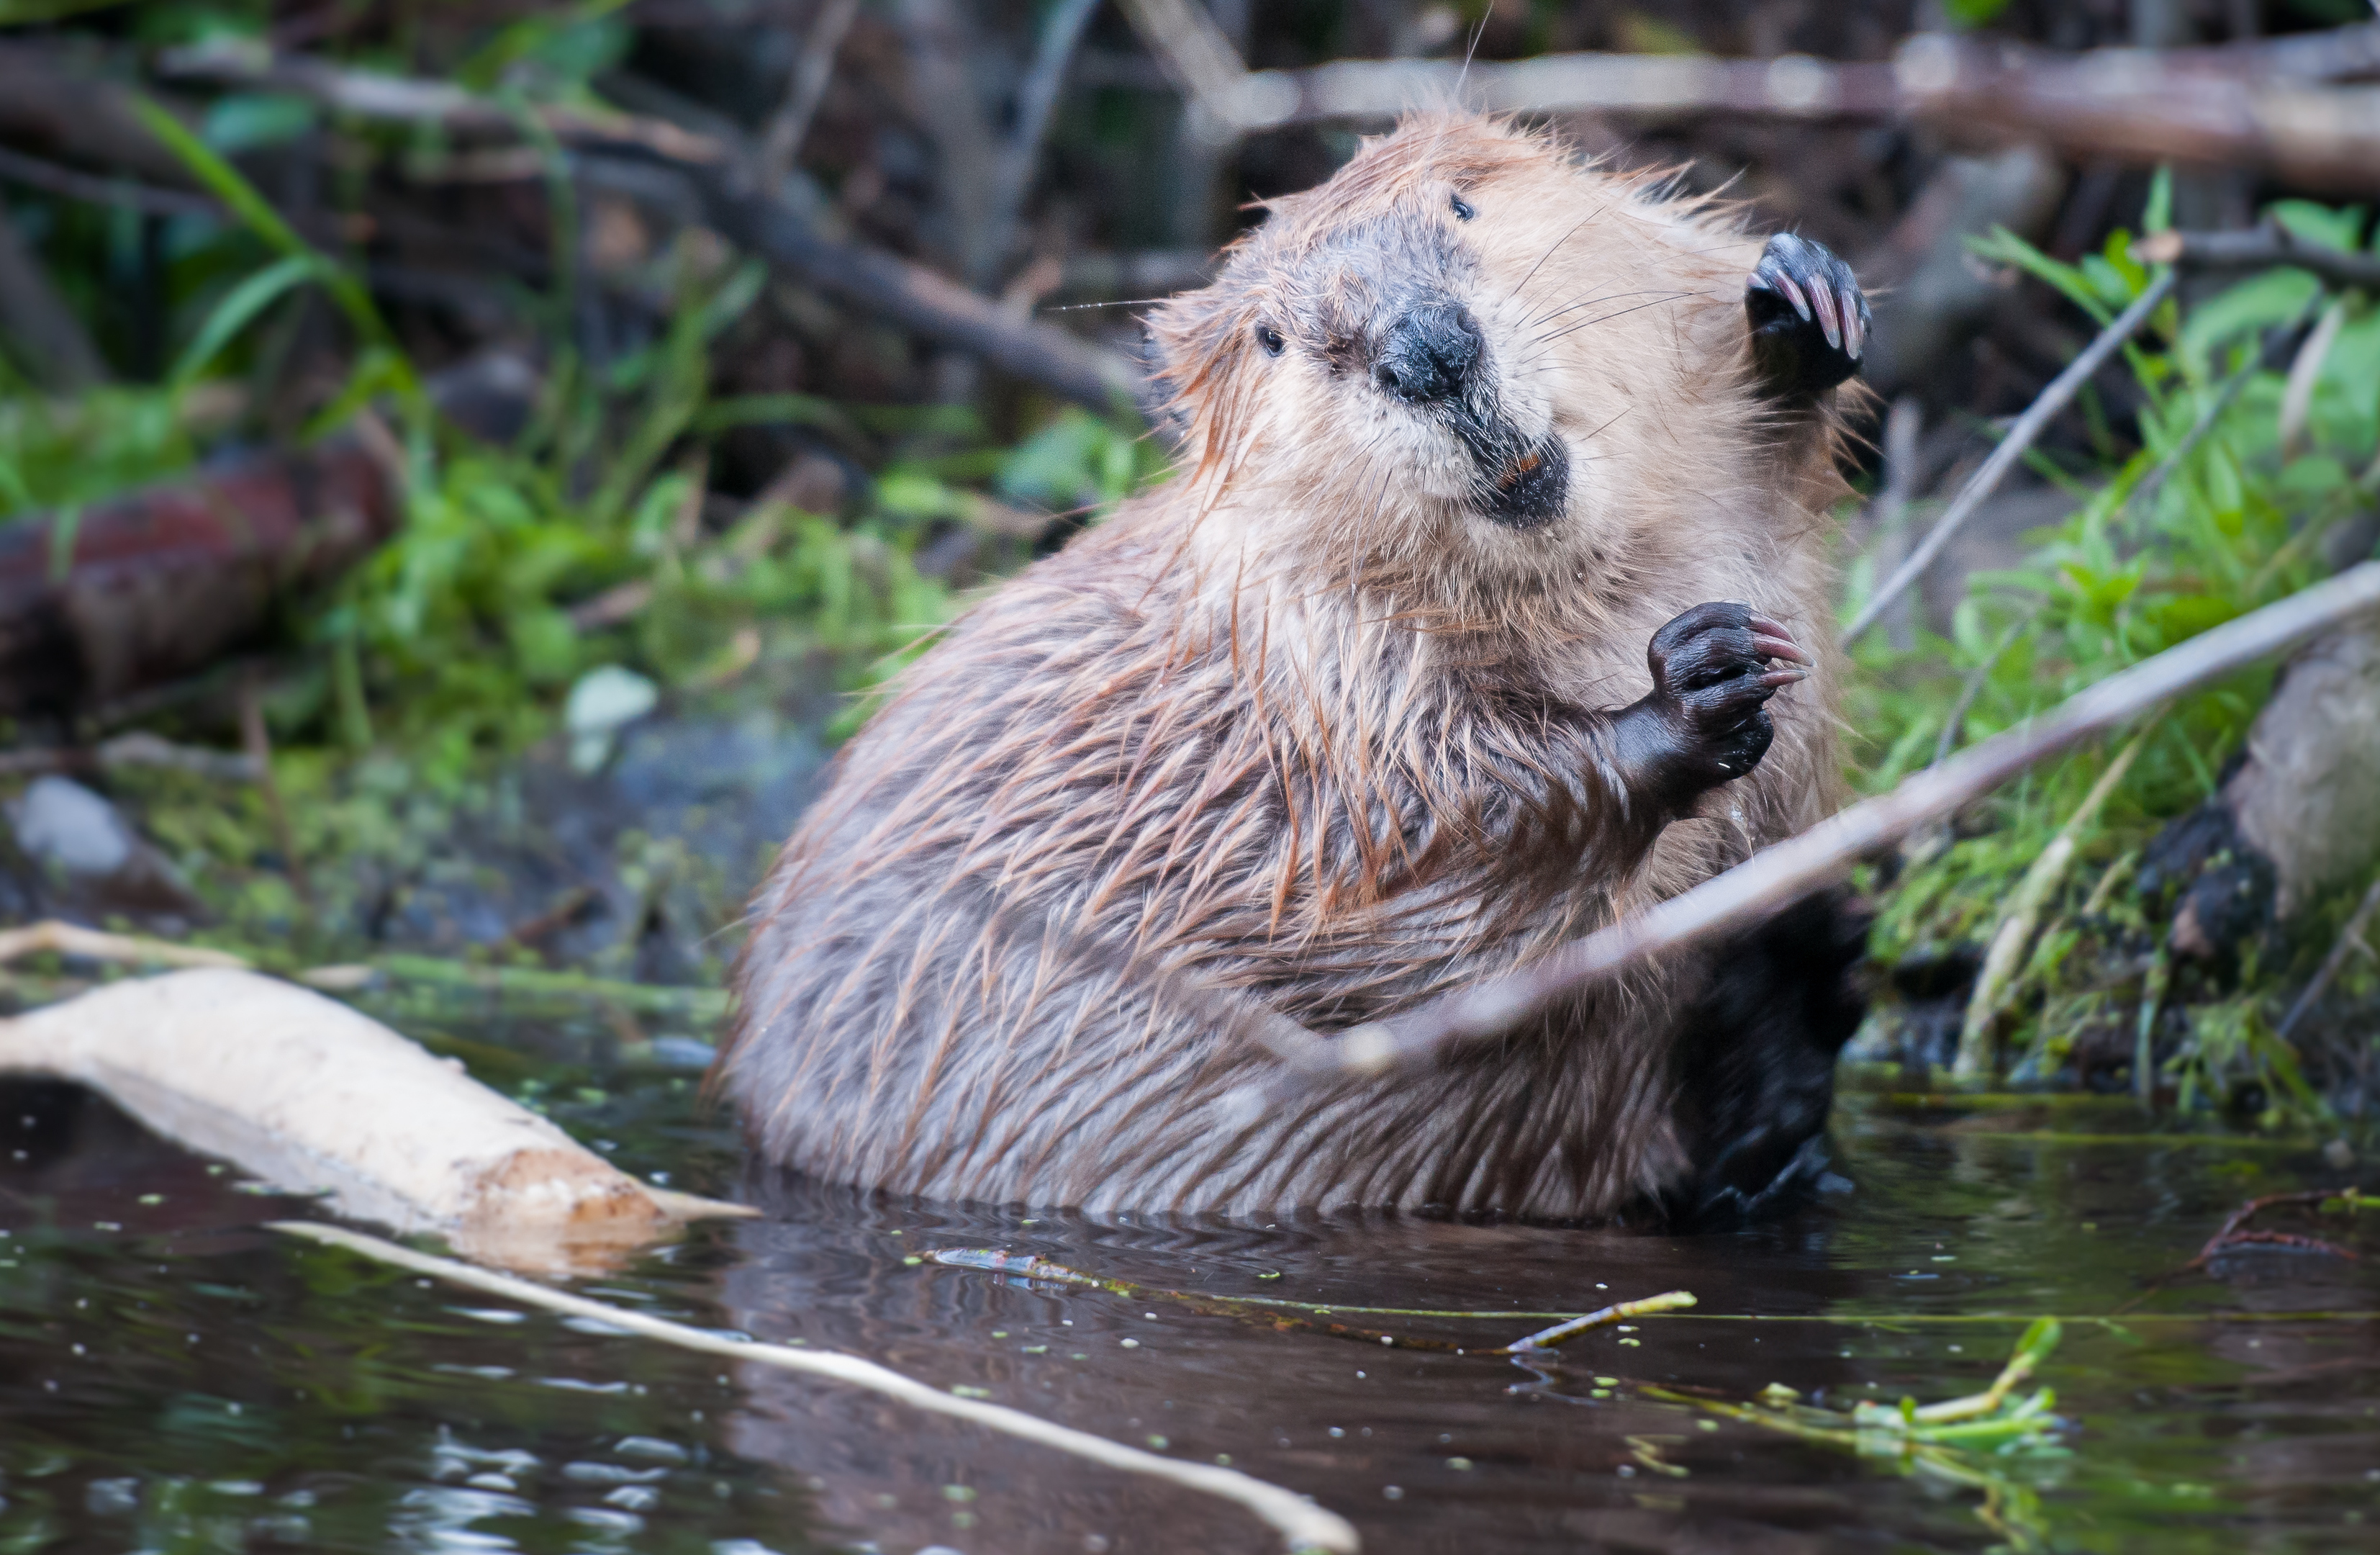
{"type": "Point", "coordinates": [137, 749]}
{"type": "Point", "coordinates": [780, 143]}
{"type": "Point", "coordinates": [2020, 437]}
{"type": "Point", "coordinates": [1302, 1524]}
{"type": "Point", "coordinates": [314, 1098]}
{"type": "Point", "coordinates": [51, 178]}
{"type": "Point", "coordinates": [1792, 869]}
{"type": "Point", "coordinates": [2235, 1230]}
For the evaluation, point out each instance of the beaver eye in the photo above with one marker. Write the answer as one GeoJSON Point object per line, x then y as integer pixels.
{"type": "Point", "coordinates": [1269, 338]}
{"type": "Point", "coordinates": [1463, 211]}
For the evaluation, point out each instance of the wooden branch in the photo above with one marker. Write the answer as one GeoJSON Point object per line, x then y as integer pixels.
{"type": "Point", "coordinates": [2254, 105]}
{"type": "Point", "coordinates": [2262, 248]}
{"type": "Point", "coordinates": [736, 203]}
{"type": "Point", "coordinates": [1301, 1525]}
{"type": "Point", "coordinates": [2020, 437]}
{"type": "Point", "coordinates": [59, 102]}
{"type": "Point", "coordinates": [1789, 870]}
{"type": "Point", "coordinates": [916, 298]}
{"type": "Point", "coordinates": [386, 99]}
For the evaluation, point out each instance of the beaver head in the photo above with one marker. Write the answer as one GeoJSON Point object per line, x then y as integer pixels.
{"type": "Point", "coordinates": [1466, 346]}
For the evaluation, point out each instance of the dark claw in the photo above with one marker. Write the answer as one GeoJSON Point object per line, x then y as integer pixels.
{"type": "Point", "coordinates": [1713, 671]}
{"type": "Point", "coordinates": [1809, 321]}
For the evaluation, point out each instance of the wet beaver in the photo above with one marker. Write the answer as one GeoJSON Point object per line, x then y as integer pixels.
{"type": "Point", "coordinates": [1358, 709]}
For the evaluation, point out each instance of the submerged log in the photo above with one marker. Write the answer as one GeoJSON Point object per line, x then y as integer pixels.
{"type": "Point", "coordinates": [158, 583]}
{"type": "Point", "coordinates": [314, 1098]}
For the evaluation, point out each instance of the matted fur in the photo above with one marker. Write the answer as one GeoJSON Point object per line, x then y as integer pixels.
{"type": "Point", "coordinates": [1303, 724]}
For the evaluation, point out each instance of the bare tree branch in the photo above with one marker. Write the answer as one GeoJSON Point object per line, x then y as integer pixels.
{"type": "Point", "coordinates": [1792, 869]}
{"type": "Point", "coordinates": [2253, 105]}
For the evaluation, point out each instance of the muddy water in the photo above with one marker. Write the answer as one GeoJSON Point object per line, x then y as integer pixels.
{"type": "Point", "coordinates": [173, 1377]}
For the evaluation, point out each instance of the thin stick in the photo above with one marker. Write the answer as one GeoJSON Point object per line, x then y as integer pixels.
{"type": "Point", "coordinates": [92, 945]}
{"type": "Point", "coordinates": [2020, 436]}
{"type": "Point", "coordinates": [781, 145]}
{"type": "Point", "coordinates": [1302, 1524]}
{"type": "Point", "coordinates": [1617, 1312]}
{"type": "Point", "coordinates": [1977, 1054]}
{"type": "Point", "coordinates": [2351, 939]}
{"type": "Point", "coordinates": [1792, 869]}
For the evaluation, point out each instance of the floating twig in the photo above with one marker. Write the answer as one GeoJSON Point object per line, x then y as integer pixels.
{"type": "Point", "coordinates": [1032, 1266]}
{"type": "Point", "coordinates": [1302, 1526]}
{"type": "Point", "coordinates": [1617, 1312]}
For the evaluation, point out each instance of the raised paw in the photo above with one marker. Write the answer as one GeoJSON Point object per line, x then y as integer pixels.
{"type": "Point", "coordinates": [1713, 669]}
{"type": "Point", "coordinates": [1809, 319]}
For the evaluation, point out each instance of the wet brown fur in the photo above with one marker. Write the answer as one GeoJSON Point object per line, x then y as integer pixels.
{"type": "Point", "coordinates": [1301, 723]}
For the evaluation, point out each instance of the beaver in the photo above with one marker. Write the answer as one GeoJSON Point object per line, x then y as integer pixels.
{"type": "Point", "coordinates": [1496, 525]}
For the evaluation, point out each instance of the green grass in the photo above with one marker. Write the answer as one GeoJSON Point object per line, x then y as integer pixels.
{"type": "Point", "coordinates": [2240, 523]}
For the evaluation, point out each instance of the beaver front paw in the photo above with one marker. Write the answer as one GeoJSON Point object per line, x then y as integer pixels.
{"type": "Point", "coordinates": [1705, 723]}
{"type": "Point", "coordinates": [1809, 318]}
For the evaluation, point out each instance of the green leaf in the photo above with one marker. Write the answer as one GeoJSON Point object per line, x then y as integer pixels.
{"type": "Point", "coordinates": [2158, 217]}
{"type": "Point", "coordinates": [239, 309]}
{"type": "Point", "coordinates": [2007, 247]}
{"type": "Point", "coordinates": [256, 212]}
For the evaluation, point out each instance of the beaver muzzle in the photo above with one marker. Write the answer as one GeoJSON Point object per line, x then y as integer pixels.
{"type": "Point", "coordinates": [1434, 357]}
{"type": "Point", "coordinates": [1529, 488]}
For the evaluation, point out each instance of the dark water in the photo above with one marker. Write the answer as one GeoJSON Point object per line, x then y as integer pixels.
{"type": "Point", "coordinates": [176, 1379]}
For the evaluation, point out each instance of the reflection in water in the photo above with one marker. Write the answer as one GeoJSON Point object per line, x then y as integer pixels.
{"type": "Point", "coordinates": [173, 1378]}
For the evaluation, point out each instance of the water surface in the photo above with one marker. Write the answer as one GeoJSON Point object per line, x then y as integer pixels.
{"type": "Point", "coordinates": [175, 1377]}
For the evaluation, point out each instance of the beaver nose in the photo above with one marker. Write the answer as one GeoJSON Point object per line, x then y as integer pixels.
{"type": "Point", "coordinates": [1429, 353]}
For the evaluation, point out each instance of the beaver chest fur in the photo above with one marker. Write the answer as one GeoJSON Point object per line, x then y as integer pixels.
{"type": "Point", "coordinates": [1496, 528]}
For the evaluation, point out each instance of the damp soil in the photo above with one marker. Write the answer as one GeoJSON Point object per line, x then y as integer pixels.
{"type": "Point", "coordinates": [174, 1377]}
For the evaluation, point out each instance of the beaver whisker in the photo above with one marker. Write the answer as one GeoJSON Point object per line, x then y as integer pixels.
{"type": "Point", "coordinates": [1598, 295]}
{"type": "Point", "coordinates": [1551, 247]}
{"type": "Point", "coordinates": [1607, 318]}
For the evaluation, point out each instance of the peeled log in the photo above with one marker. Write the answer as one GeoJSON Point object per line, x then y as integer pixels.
{"type": "Point", "coordinates": [313, 1098]}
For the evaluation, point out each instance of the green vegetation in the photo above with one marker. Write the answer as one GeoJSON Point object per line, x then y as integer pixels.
{"type": "Point", "coordinates": [2153, 555]}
